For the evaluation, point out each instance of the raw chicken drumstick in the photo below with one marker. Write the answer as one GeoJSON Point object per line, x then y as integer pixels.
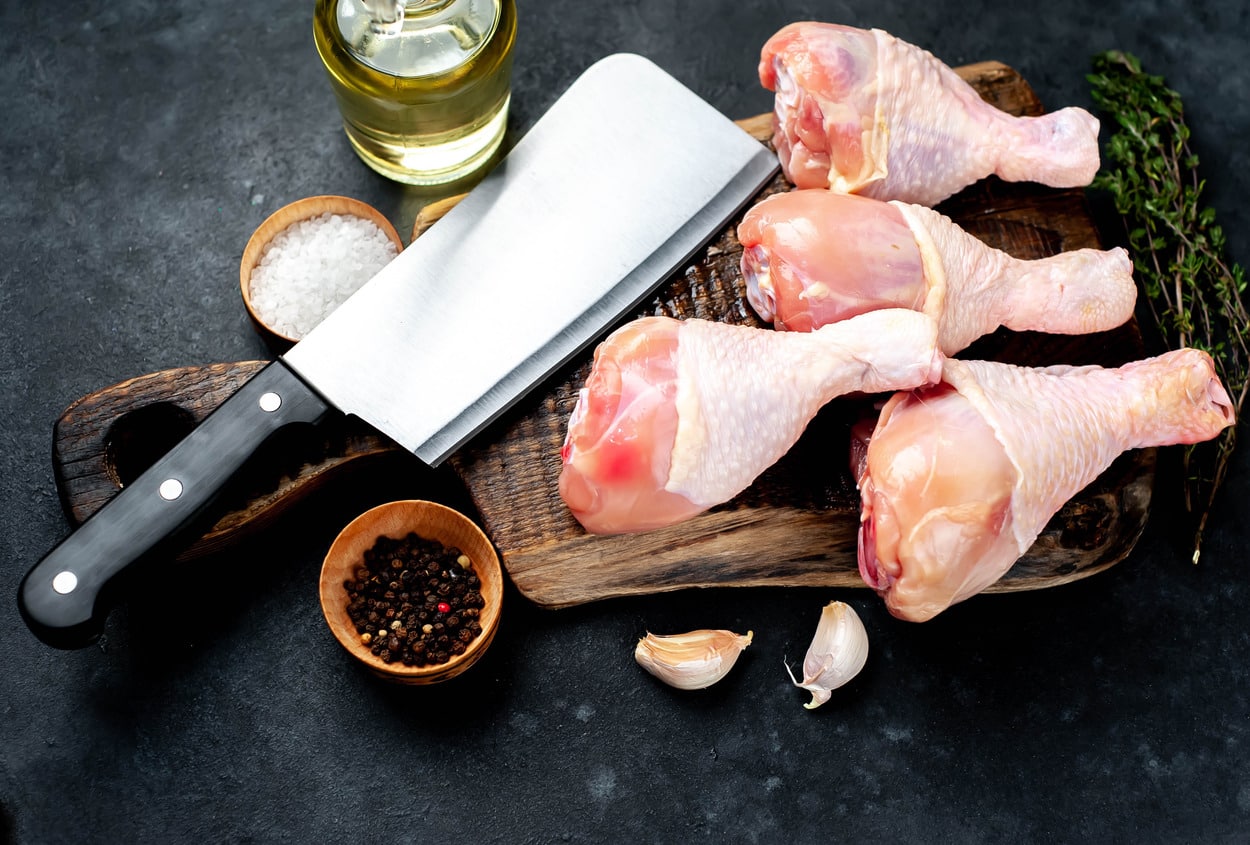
{"type": "Point", "coordinates": [813, 257]}
{"type": "Point", "coordinates": [960, 478]}
{"type": "Point", "coordinates": [678, 416]}
{"type": "Point", "coordinates": [861, 112]}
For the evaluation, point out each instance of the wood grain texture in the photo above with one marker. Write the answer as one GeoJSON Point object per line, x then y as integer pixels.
{"type": "Point", "coordinates": [795, 526]}
{"type": "Point", "coordinates": [106, 439]}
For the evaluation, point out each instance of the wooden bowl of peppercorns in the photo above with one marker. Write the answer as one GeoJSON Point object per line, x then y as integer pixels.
{"type": "Point", "coordinates": [412, 589]}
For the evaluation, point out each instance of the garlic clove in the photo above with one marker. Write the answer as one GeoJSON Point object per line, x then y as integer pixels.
{"type": "Point", "coordinates": [838, 652]}
{"type": "Point", "coordinates": [693, 660]}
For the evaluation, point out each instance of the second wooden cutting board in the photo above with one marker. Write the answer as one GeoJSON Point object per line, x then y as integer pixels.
{"type": "Point", "coordinates": [796, 526]}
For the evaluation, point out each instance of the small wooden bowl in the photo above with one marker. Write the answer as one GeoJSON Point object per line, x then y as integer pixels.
{"type": "Point", "coordinates": [304, 209]}
{"type": "Point", "coordinates": [433, 522]}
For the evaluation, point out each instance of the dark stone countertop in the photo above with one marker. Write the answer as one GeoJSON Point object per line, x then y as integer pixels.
{"type": "Point", "coordinates": [143, 142]}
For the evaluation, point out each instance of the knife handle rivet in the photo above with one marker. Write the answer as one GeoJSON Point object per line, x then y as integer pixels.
{"type": "Point", "coordinates": [64, 582]}
{"type": "Point", "coordinates": [170, 489]}
{"type": "Point", "coordinates": [270, 402]}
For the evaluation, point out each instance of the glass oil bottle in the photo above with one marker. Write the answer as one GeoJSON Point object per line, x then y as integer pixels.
{"type": "Point", "coordinates": [422, 86]}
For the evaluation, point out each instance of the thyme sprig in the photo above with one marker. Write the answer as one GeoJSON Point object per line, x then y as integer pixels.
{"type": "Point", "coordinates": [1194, 292]}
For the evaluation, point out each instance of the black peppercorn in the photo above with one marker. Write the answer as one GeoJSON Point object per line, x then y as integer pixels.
{"type": "Point", "coordinates": [415, 601]}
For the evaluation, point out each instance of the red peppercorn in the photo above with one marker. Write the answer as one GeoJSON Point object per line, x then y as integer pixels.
{"type": "Point", "coordinates": [443, 607]}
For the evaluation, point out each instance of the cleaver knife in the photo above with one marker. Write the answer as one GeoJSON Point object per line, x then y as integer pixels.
{"type": "Point", "coordinates": [618, 185]}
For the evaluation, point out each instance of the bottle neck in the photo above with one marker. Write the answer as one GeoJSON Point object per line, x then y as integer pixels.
{"type": "Point", "coordinates": [419, 37]}
{"type": "Point", "coordinates": [387, 16]}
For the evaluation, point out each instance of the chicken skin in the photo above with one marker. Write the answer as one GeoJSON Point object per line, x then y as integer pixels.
{"type": "Point", "coordinates": [861, 112]}
{"type": "Point", "coordinates": [678, 416]}
{"type": "Point", "coordinates": [960, 478]}
{"type": "Point", "coordinates": [813, 257]}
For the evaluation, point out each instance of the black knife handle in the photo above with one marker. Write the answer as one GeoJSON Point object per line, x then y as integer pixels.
{"type": "Point", "coordinates": [64, 598]}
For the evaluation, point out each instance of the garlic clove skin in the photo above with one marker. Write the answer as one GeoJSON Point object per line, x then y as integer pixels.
{"type": "Point", "coordinates": [693, 660]}
{"type": "Point", "coordinates": [838, 652]}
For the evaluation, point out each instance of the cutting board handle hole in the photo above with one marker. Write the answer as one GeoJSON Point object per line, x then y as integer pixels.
{"type": "Point", "coordinates": [137, 439]}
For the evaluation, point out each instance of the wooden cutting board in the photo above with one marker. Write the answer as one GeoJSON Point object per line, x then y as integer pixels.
{"type": "Point", "coordinates": [796, 526]}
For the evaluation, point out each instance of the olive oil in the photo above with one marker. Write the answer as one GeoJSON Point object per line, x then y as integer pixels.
{"type": "Point", "coordinates": [424, 100]}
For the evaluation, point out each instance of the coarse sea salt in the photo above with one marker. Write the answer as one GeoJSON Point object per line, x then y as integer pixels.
{"type": "Point", "coordinates": [312, 266]}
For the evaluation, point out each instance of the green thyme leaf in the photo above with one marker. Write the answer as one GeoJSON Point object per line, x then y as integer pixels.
{"type": "Point", "coordinates": [1194, 292]}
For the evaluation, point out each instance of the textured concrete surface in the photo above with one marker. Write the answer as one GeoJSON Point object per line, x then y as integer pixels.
{"type": "Point", "coordinates": [142, 142]}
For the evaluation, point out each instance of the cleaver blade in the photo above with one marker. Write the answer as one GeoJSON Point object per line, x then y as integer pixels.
{"type": "Point", "coordinates": [571, 231]}
{"type": "Point", "coordinates": [617, 186]}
